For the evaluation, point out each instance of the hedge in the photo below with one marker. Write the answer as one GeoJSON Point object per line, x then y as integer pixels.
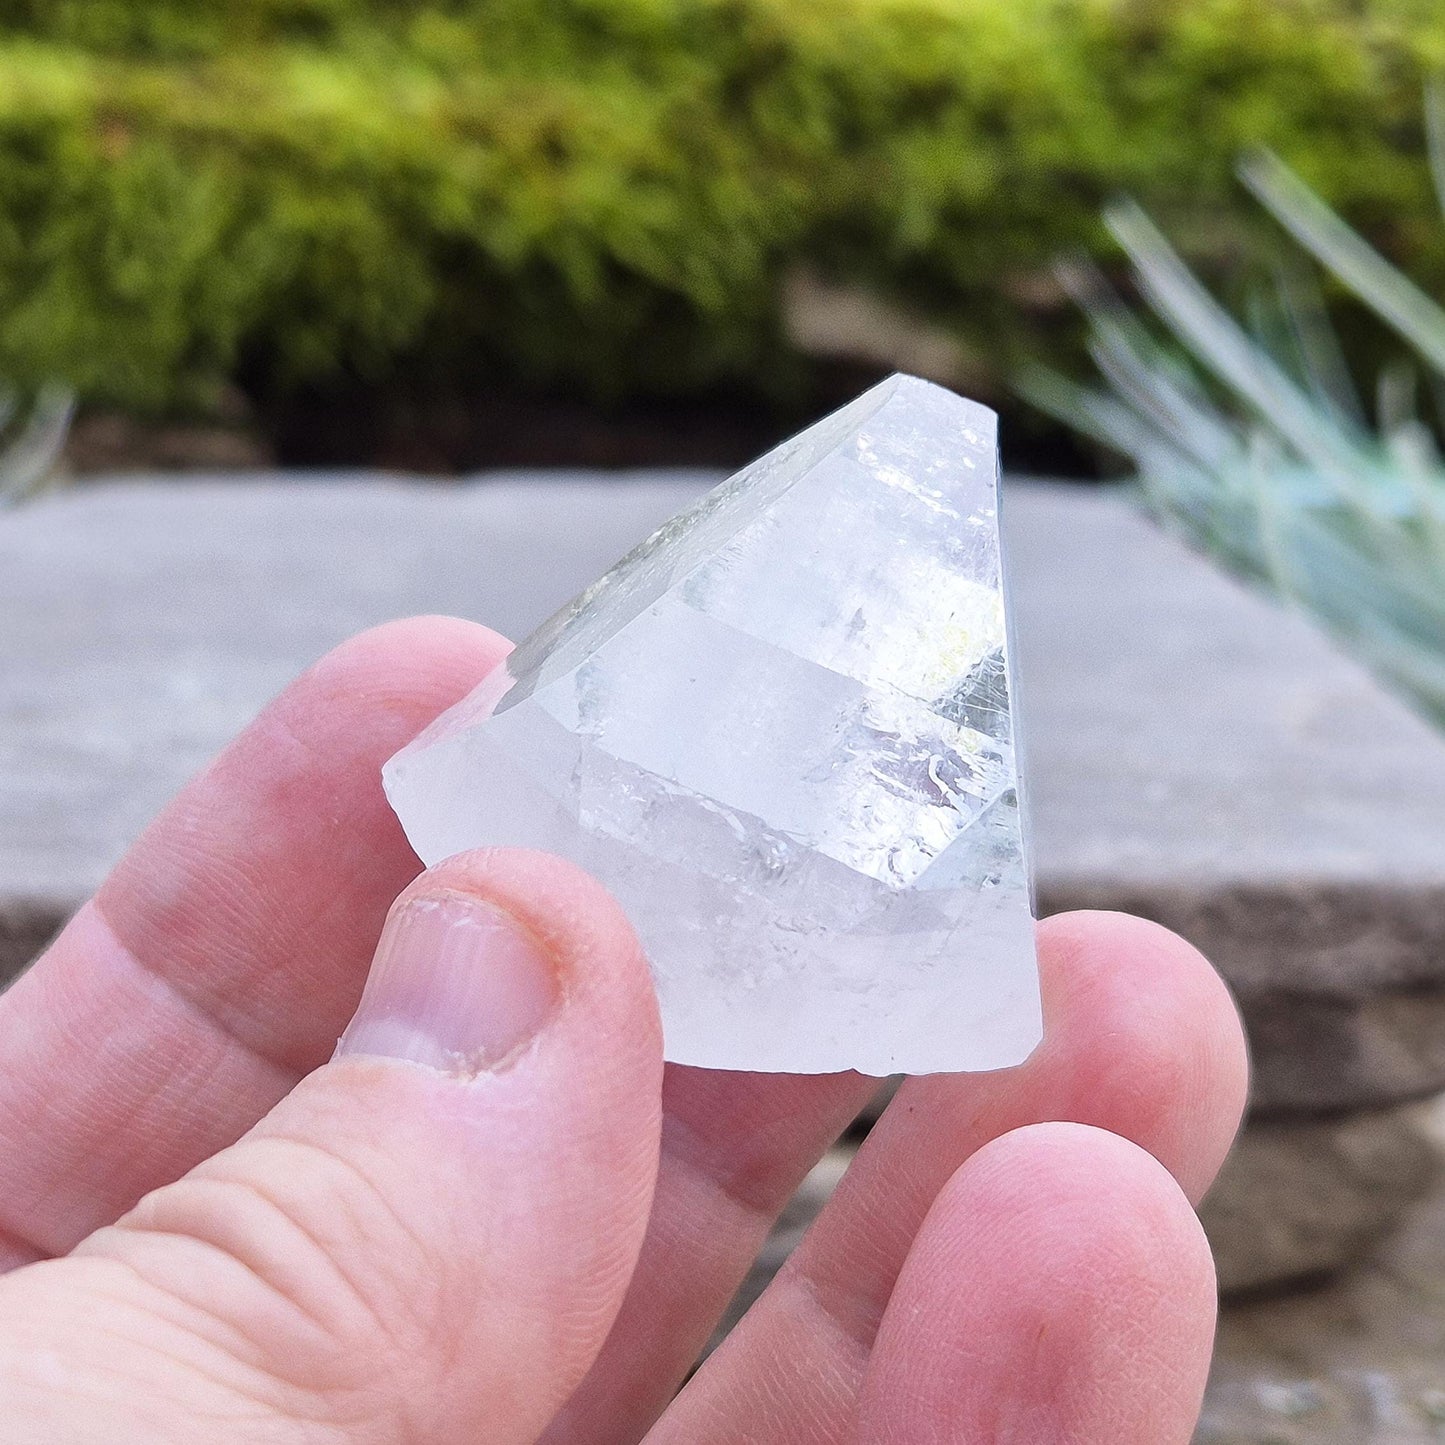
{"type": "Point", "coordinates": [607, 193]}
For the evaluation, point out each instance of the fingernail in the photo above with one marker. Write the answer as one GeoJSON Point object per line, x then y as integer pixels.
{"type": "Point", "coordinates": [457, 984]}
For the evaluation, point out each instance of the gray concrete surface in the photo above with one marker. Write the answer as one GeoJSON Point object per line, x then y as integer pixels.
{"type": "Point", "coordinates": [1196, 754]}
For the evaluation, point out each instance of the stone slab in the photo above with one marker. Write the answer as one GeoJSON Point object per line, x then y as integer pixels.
{"type": "Point", "coordinates": [1298, 1200]}
{"type": "Point", "coordinates": [143, 622]}
{"type": "Point", "coordinates": [1360, 1361]}
{"type": "Point", "coordinates": [1197, 754]}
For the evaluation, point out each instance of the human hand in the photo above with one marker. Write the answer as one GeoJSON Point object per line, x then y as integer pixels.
{"type": "Point", "coordinates": [494, 1217]}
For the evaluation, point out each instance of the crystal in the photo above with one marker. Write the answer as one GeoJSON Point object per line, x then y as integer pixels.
{"type": "Point", "coordinates": [780, 731]}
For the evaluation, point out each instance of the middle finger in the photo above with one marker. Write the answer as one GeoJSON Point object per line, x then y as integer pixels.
{"type": "Point", "coordinates": [1142, 1040]}
{"type": "Point", "coordinates": [735, 1147]}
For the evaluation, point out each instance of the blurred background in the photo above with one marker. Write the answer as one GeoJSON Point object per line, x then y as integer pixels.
{"type": "Point", "coordinates": [315, 312]}
{"type": "Point", "coordinates": [446, 234]}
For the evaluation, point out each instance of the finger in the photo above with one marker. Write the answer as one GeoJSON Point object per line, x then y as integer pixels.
{"type": "Point", "coordinates": [1141, 1039]}
{"type": "Point", "coordinates": [735, 1147]}
{"type": "Point", "coordinates": [427, 1239]}
{"type": "Point", "coordinates": [222, 958]}
{"type": "Point", "coordinates": [1060, 1290]}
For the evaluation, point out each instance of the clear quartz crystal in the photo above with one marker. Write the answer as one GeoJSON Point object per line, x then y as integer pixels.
{"type": "Point", "coordinates": [780, 732]}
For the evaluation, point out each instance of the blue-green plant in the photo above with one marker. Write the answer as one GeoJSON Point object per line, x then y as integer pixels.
{"type": "Point", "coordinates": [32, 434]}
{"type": "Point", "coordinates": [1249, 434]}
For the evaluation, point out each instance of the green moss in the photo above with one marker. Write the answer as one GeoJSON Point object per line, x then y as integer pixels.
{"type": "Point", "coordinates": [607, 192]}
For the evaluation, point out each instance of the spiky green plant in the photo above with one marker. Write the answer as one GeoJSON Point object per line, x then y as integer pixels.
{"type": "Point", "coordinates": [32, 434]}
{"type": "Point", "coordinates": [1250, 435]}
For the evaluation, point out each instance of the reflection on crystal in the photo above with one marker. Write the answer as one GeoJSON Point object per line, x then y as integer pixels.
{"type": "Point", "coordinates": [780, 732]}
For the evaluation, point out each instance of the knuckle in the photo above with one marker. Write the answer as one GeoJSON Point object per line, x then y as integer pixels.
{"type": "Point", "coordinates": [291, 1259]}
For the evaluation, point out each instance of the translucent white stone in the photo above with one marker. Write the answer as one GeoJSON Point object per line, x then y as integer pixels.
{"type": "Point", "coordinates": [780, 732]}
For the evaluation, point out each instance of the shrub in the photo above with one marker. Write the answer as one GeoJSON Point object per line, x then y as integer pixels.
{"type": "Point", "coordinates": [607, 193]}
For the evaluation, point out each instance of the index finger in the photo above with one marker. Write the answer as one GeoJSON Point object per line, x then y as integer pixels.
{"type": "Point", "coordinates": [222, 958]}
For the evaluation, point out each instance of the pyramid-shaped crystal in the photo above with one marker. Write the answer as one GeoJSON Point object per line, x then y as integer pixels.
{"type": "Point", "coordinates": [780, 732]}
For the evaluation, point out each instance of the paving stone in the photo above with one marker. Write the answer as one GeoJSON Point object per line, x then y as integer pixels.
{"type": "Point", "coordinates": [143, 623]}
{"type": "Point", "coordinates": [1211, 761]}
{"type": "Point", "coordinates": [1360, 1361]}
{"type": "Point", "coordinates": [1197, 755]}
{"type": "Point", "coordinates": [1298, 1200]}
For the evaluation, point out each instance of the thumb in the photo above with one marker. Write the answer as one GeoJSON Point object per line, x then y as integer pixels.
{"type": "Point", "coordinates": [428, 1239]}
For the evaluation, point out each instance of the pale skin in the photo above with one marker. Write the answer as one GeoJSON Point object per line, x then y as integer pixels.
{"type": "Point", "coordinates": [213, 1231]}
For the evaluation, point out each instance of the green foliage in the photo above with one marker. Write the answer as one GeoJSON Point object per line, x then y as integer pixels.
{"type": "Point", "coordinates": [1250, 436]}
{"type": "Point", "coordinates": [608, 192]}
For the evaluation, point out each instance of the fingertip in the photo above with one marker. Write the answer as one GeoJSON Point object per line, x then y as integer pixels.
{"type": "Point", "coordinates": [1155, 1045]}
{"type": "Point", "coordinates": [1120, 1200]}
{"type": "Point", "coordinates": [1087, 948]}
{"type": "Point", "coordinates": [444, 656]}
{"type": "Point", "coordinates": [1060, 1289]}
{"type": "Point", "coordinates": [1090, 1233]}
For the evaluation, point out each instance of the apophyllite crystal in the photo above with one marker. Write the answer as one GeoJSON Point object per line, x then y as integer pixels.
{"type": "Point", "coordinates": [780, 732]}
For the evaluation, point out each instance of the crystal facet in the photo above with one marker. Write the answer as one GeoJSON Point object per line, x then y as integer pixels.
{"type": "Point", "coordinates": [780, 732]}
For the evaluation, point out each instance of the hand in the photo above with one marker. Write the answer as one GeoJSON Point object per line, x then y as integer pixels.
{"type": "Point", "coordinates": [493, 1217]}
